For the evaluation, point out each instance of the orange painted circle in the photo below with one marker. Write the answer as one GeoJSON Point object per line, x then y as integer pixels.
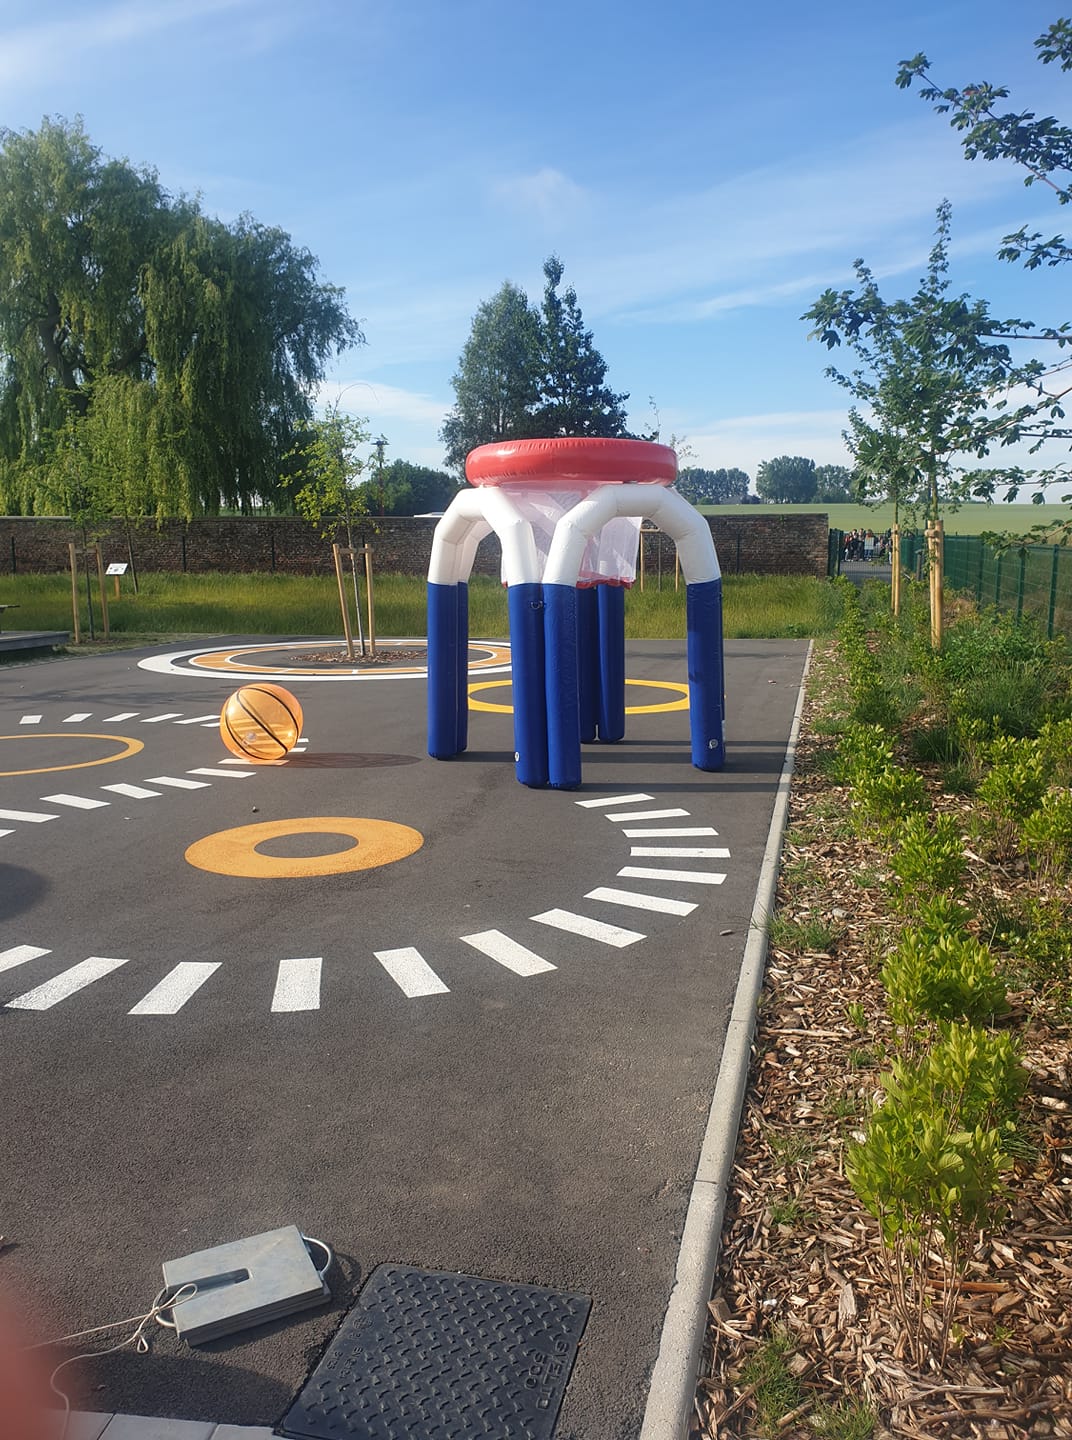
{"type": "Point", "coordinates": [563, 462]}
{"type": "Point", "coordinates": [234, 852]}
{"type": "Point", "coordinates": [131, 748]}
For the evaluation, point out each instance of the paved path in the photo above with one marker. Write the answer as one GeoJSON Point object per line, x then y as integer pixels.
{"type": "Point", "coordinates": [494, 1054]}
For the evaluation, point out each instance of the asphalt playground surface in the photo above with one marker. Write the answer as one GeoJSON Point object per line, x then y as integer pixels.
{"type": "Point", "coordinates": [429, 1061]}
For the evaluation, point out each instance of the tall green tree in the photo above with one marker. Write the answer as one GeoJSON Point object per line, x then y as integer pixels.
{"type": "Point", "coordinates": [711, 487]}
{"type": "Point", "coordinates": [525, 373]}
{"type": "Point", "coordinates": [407, 489]}
{"type": "Point", "coordinates": [1040, 146]}
{"type": "Point", "coordinates": [834, 484]}
{"type": "Point", "coordinates": [497, 384]}
{"type": "Point", "coordinates": [786, 480]}
{"type": "Point", "coordinates": [326, 469]}
{"type": "Point", "coordinates": [108, 283]}
{"type": "Point", "coordinates": [574, 399]}
{"type": "Point", "coordinates": [935, 382]}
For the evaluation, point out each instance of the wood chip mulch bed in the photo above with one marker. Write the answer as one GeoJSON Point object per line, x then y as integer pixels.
{"type": "Point", "coordinates": [800, 1259]}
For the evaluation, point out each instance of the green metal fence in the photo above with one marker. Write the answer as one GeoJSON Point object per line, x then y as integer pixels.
{"type": "Point", "coordinates": [1031, 580]}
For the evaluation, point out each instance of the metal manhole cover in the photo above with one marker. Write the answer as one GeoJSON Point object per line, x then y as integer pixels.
{"type": "Point", "coordinates": [443, 1356]}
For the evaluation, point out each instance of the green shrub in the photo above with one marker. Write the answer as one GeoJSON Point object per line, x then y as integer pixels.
{"type": "Point", "coordinates": [1011, 789]}
{"type": "Point", "coordinates": [885, 796]}
{"type": "Point", "coordinates": [930, 1169]}
{"type": "Point", "coordinates": [928, 858]}
{"type": "Point", "coordinates": [1037, 938]}
{"type": "Point", "coordinates": [861, 749]}
{"type": "Point", "coordinates": [1004, 673]}
{"type": "Point", "coordinates": [942, 977]}
{"type": "Point", "coordinates": [1055, 746]}
{"type": "Point", "coordinates": [1047, 833]}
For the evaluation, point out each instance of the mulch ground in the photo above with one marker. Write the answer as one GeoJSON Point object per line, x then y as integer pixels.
{"type": "Point", "coordinates": [385, 656]}
{"type": "Point", "coordinates": [800, 1258]}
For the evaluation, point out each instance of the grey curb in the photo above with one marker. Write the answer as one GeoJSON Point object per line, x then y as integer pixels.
{"type": "Point", "coordinates": [673, 1381]}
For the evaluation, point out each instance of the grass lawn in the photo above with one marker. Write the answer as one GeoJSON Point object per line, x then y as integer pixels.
{"type": "Point", "coordinates": [169, 605]}
{"type": "Point", "coordinates": [968, 520]}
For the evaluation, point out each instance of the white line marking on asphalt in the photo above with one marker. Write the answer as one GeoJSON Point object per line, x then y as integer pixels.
{"type": "Point", "coordinates": [589, 928]}
{"type": "Point", "coordinates": [685, 877]}
{"type": "Point", "coordinates": [123, 715]}
{"type": "Point", "coordinates": [135, 792]}
{"type": "Point", "coordinates": [641, 902]}
{"type": "Point", "coordinates": [680, 830]}
{"type": "Point", "coordinates": [179, 783]}
{"type": "Point", "coordinates": [76, 802]}
{"type": "Point", "coordinates": [199, 720]}
{"type": "Point", "coordinates": [648, 814]}
{"type": "Point", "coordinates": [43, 997]}
{"type": "Point", "coordinates": [156, 719]}
{"type": "Point", "coordinates": [30, 720]}
{"type": "Point", "coordinates": [234, 760]}
{"type": "Point", "coordinates": [6, 832]}
{"type": "Point", "coordinates": [176, 988]}
{"type": "Point", "coordinates": [216, 770]}
{"type": "Point", "coordinates": [613, 800]}
{"type": "Point", "coordinates": [19, 954]}
{"type": "Point", "coordinates": [410, 971]}
{"type": "Point", "coordinates": [81, 715]}
{"type": "Point", "coordinates": [297, 986]}
{"type": "Point", "coordinates": [33, 817]}
{"type": "Point", "coordinates": [504, 951]}
{"type": "Point", "coordinates": [683, 852]}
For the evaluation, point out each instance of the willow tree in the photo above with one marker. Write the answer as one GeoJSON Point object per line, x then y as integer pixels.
{"type": "Point", "coordinates": [144, 343]}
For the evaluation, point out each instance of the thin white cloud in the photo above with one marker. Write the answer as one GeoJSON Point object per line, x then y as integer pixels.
{"type": "Point", "coordinates": [547, 195]}
{"type": "Point", "coordinates": [874, 195]}
{"type": "Point", "coordinates": [746, 440]}
{"type": "Point", "coordinates": [377, 401]}
{"type": "Point", "coordinates": [28, 53]}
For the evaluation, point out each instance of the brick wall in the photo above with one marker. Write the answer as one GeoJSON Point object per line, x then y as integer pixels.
{"type": "Point", "coordinates": [759, 544]}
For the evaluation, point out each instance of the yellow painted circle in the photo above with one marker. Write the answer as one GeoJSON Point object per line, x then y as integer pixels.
{"type": "Point", "coordinates": [131, 748]}
{"type": "Point", "coordinates": [664, 708]}
{"type": "Point", "coordinates": [234, 852]}
{"type": "Point", "coordinates": [244, 661]}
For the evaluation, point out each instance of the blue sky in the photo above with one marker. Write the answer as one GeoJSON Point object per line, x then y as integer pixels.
{"type": "Point", "coordinates": [704, 170]}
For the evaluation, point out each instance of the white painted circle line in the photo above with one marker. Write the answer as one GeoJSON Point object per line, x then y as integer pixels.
{"type": "Point", "coordinates": [673, 1381]}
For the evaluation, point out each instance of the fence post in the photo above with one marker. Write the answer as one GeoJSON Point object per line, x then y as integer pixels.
{"type": "Point", "coordinates": [1053, 592]}
{"type": "Point", "coordinates": [73, 557]}
{"type": "Point", "coordinates": [997, 579]}
{"type": "Point", "coordinates": [979, 574]}
{"type": "Point", "coordinates": [895, 569]}
{"type": "Point", "coordinates": [103, 590]}
{"type": "Point", "coordinates": [343, 607]}
{"type": "Point", "coordinates": [1020, 584]}
{"type": "Point", "coordinates": [936, 561]}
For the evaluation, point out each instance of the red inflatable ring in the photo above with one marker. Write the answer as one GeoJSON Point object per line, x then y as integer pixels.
{"type": "Point", "coordinates": [565, 463]}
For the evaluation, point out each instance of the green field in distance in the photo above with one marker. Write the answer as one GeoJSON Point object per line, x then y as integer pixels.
{"type": "Point", "coordinates": [968, 520]}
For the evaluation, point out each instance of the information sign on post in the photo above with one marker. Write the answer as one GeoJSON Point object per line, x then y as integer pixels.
{"type": "Point", "coordinates": [117, 568]}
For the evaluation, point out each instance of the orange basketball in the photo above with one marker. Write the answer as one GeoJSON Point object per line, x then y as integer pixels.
{"type": "Point", "coordinates": [261, 722]}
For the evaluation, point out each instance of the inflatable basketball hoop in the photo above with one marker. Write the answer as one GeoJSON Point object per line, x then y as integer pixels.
{"type": "Point", "coordinates": [567, 513]}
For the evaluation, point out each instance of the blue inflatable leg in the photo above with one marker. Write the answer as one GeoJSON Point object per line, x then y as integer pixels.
{"type": "Point", "coordinates": [707, 703]}
{"type": "Point", "coordinates": [462, 732]}
{"type": "Point", "coordinates": [588, 661]}
{"type": "Point", "coordinates": [527, 667]}
{"type": "Point", "coordinates": [611, 605]}
{"type": "Point", "coordinates": [442, 671]}
{"type": "Point", "coordinates": [563, 703]}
